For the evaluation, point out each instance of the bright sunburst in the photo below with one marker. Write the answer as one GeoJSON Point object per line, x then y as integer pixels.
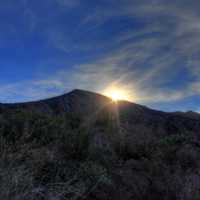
{"type": "Point", "coordinates": [117, 94]}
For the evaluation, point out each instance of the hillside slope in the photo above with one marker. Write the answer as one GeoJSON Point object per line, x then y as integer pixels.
{"type": "Point", "coordinates": [81, 145]}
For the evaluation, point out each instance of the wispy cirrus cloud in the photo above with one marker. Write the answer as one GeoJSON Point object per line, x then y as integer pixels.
{"type": "Point", "coordinates": [151, 49]}
{"type": "Point", "coordinates": [171, 31]}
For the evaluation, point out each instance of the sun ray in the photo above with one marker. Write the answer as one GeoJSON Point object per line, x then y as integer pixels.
{"type": "Point", "coordinates": [117, 93]}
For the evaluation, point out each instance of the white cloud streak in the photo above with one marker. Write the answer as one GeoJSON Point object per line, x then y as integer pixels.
{"type": "Point", "coordinates": [146, 61]}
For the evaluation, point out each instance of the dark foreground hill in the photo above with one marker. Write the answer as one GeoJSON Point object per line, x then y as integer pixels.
{"type": "Point", "coordinates": [84, 146]}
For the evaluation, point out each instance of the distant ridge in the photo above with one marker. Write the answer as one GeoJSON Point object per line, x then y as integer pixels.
{"type": "Point", "coordinates": [78, 97]}
{"type": "Point", "coordinates": [132, 116]}
{"type": "Point", "coordinates": [85, 141]}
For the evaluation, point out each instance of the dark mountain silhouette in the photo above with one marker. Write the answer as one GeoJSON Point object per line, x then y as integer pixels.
{"type": "Point", "coordinates": [87, 104]}
{"type": "Point", "coordinates": [82, 145]}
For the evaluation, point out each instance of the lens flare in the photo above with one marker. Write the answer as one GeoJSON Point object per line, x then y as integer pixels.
{"type": "Point", "coordinates": [117, 94]}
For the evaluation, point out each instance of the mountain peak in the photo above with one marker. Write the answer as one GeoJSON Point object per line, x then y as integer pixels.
{"type": "Point", "coordinates": [79, 91]}
{"type": "Point", "coordinates": [88, 134]}
{"type": "Point", "coordinates": [86, 92]}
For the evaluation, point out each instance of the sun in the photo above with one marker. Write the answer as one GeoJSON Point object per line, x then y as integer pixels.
{"type": "Point", "coordinates": [117, 94]}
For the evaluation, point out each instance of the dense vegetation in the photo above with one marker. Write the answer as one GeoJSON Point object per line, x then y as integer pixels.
{"type": "Point", "coordinates": [47, 157]}
{"type": "Point", "coordinates": [57, 157]}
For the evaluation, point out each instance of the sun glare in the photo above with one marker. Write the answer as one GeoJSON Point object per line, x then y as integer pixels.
{"type": "Point", "coordinates": [117, 94]}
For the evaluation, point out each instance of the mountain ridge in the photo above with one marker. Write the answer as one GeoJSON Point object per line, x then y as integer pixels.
{"type": "Point", "coordinates": [80, 92]}
{"type": "Point", "coordinates": [132, 117]}
{"type": "Point", "coordinates": [82, 145]}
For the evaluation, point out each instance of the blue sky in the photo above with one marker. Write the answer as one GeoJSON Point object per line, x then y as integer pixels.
{"type": "Point", "coordinates": [148, 47]}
